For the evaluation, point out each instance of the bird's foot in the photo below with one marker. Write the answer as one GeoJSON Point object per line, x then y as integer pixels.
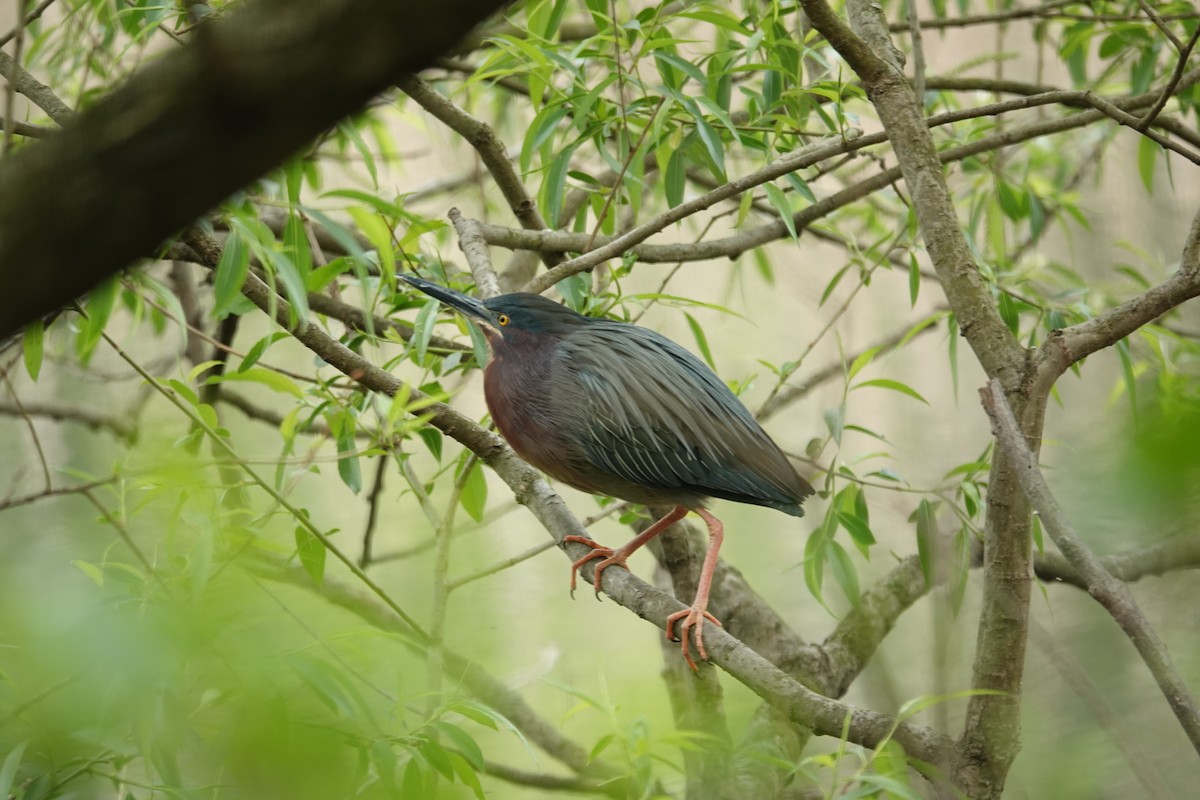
{"type": "Point", "coordinates": [598, 551]}
{"type": "Point", "coordinates": [693, 620]}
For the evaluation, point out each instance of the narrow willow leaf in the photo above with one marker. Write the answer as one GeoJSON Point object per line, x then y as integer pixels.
{"type": "Point", "coordinates": [231, 274]}
{"type": "Point", "coordinates": [474, 492]}
{"type": "Point", "coordinates": [311, 551]}
{"type": "Point", "coordinates": [780, 201]}
{"type": "Point", "coordinates": [348, 467]}
{"type": "Point", "coordinates": [269, 378]}
{"type": "Point", "coordinates": [32, 345]}
{"type": "Point", "coordinates": [100, 305]}
{"type": "Point", "coordinates": [8, 772]}
{"type": "Point", "coordinates": [1147, 158]}
{"type": "Point", "coordinates": [701, 341]}
{"type": "Point", "coordinates": [914, 279]}
{"type": "Point", "coordinates": [926, 539]}
{"type": "Point", "coordinates": [844, 572]}
{"type": "Point", "coordinates": [895, 386]}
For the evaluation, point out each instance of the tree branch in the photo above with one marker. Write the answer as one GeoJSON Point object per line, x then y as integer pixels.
{"type": "Point", "coordinates": [800, 704]}
{"type": "Point", "coordinates": [1107, 589]}
{"type": "Point", "coordinates": [259, 82]}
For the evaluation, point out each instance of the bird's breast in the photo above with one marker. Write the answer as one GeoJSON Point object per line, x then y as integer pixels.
{"type": "Point", "coordinates": [520, 397]}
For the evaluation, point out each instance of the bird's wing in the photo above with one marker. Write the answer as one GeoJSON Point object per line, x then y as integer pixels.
{"type": "Point", "coordinates": [651, 413]}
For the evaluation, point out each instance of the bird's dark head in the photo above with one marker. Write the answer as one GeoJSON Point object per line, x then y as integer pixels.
{"type": "Point", "coordinates": [508, 316]}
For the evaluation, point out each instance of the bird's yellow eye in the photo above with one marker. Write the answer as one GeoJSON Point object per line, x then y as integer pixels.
{"type": "Point", "coordinates": [502, 319]}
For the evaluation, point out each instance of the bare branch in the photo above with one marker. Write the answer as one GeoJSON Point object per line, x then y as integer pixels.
{"type": "Point", "coordinates": [791, 162]}
{"type": "Point", "coordinates": [491, 150]}
{"type": "Point", "coordinates": [1171, 555]}
{"type": "Point", "coordinates": [118, 426]}
{"type": "Point", "coordinates": [1067, 346]}
{"type": "Point", "coordinates": [1108, 590]}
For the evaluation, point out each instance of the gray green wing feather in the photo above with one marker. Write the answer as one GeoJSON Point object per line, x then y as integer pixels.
{"type": "Point", "coordinates": [651, 413]}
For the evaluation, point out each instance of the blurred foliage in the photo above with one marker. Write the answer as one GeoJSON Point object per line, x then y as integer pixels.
{"type": "Point", "coordinates": [155, 639]}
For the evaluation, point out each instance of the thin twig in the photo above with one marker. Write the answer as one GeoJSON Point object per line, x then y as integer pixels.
{"type": "Point", "coordinates": [1111, 593]}
{"type": "Point", "coordinates": [1185, 52]}
{"type": "Point", "coordinates": [37, 442]}
{"type": "Point", "coordinates": [373, 499]}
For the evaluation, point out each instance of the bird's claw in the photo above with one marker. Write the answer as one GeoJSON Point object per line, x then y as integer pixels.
{"type": "Point", "coordinates": [598, 551]}
{"type": "Point", "coordinates": [693, 620]}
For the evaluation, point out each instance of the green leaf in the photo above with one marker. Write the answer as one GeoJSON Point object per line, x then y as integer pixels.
{"type": "Point", "coordinates": [701, 340]}
{"type": "Point", "coordinates": [311, 551]}
{"type": "Point", "coordinates": [895, 386]}
{"type": "Point", "coordinates": [927, 539]}
{"type": "Point", "coordinates": [466, 774]}
{"type": "Point", "coordinates": [349, 130]}
{"type": "Point", "coordinates": [914, 279]}
{"type": "Point", "coordinates": [835, 421]}
{"type": "Point", "coordinates": [861, 361]}
{"type": "Point", "coordinates": [295, 243]}
{"type": "Point", "coordinates": [801, 186]}
{"type": "Point", "coordinates": [348, 466]}
{"type": "Point", "coordinates": [780, 201]}
{"type": "Point", "coordinates": [463, 741]}
{"type": "Point", "coordinates": [371, 225]}
{"type": "Point", "coordinates": [1147, 157]}
{"type": "Point", "coordinates": [1128, 374]}
{"type": "Point", "coordinates": [844, 572]}
{"type": "Point", "coordinates": [259, 348]}
{"type": "Point", "coordinates": [269, 378]}
{"type": "Point", "coordinates": [99, 308]}
{"type": "Point", "coordinates": [231, 274]}
{"type": "Point", "coordinates": [474, 492]}
{"type": "Point", "coordinates": [32, 346]}
{"type": "Point", "coordinates": [676, 178]}
{"type": "Point", "coordinates": [544, 124]}
{"type": "Point", "coordinates": [8, 772]}
{"type": "Point", "coordinates": [423, 327]}
{"type": "Point", "coordinates": [858, 528]}
{"type": "Point", "coordinates": [711, 141]}
{"type": "Point", "coordinates": [555, 183]}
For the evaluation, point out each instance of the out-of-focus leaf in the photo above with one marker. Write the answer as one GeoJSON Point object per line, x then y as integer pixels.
{"type": "Point", "coordinates": [1147, 157]}
{"type": "Point", "coordinates": [893, 385]}
{"type": "Point", "coordinates": [99, 308]}
{"type": "Point", "coordinates": [348, 467]}
{"type": "Point", "coordinates": [32, 348]}
{"type": "Point", "coordinates": [926, 520]}
{"type": "Point", "coordinates": [701, 340]}
{"type": "Point", "coordinates": [780, 201]}
{"type": "Point", "coordinates": [311, 551]}
{"type": "Point", "coordinates": [269, 378]}
{"type": "Point", "coordinates": [8, 772]}
{"type": "Point", "coordinates": [474, 492]}
{"type": "Point", "coordinates": [230, 275]}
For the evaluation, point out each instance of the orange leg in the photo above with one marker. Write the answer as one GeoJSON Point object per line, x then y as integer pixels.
{"type": "Point", "coordinates": [694, 617]}
{"type": "Point", "coordinates": [618, 556]}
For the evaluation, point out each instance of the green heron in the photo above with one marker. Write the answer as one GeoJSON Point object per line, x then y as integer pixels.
{"type": "Point", "coordinates": [616, 409]}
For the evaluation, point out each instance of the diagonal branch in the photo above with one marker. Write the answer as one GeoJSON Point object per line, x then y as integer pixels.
{"type": "Point", "coordinates": [491, 151]}
{"type": "Point", "coordinates": [249, 90]}
{"type": "Point", "coordinates": [1108, 590]}
{"type": "Point", "coordinates": [800, 704]}
{"type": "Point", "coordinates": [1067, 346]}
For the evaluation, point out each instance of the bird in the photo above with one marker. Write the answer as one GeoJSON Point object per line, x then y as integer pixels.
{"type": "Point", "coordinates": [617, 409]}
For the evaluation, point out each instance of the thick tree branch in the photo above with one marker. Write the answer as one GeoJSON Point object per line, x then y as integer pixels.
{"type": "Point", "coordinates": [250, 89]}
{"type": "Point", "coordinates": [1109, 591]}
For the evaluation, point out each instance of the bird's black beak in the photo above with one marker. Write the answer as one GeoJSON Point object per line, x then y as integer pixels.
{"type": "Point", "coordinates": [460, 302]}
